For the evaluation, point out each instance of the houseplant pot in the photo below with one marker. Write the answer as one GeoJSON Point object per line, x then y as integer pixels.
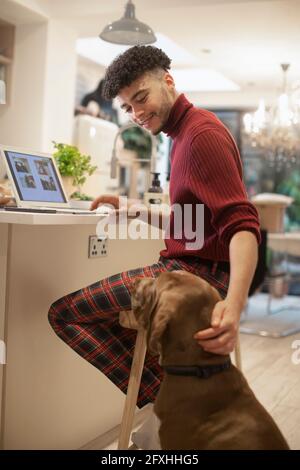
{"type": "Point", "coordinates": [68, 185]}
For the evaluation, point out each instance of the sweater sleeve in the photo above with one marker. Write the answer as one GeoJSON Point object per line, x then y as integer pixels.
{"type": "Point", "coordinates": [216, 180]}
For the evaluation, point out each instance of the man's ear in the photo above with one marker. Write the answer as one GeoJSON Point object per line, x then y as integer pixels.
{"type": "Point", "coordinates": [143, 299]}
{"type": "Point", "coordinates": [169, 80]}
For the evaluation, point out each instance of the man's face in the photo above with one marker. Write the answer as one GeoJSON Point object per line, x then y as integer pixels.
{"type": "Point", "coordinates": [148, 100]}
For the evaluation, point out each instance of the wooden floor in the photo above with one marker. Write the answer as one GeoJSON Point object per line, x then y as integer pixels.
{"type": "Point", "coordinates": [275, 379]}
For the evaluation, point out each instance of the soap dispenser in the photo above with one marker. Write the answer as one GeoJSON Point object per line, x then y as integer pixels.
{"type": "Point", "coordinates": [155, 192]}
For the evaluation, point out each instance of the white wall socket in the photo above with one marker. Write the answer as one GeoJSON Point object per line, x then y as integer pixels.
{"type": "Point", "coordinates": [97, 246]}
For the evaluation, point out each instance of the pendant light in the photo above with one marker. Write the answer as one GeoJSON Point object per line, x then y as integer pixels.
{"type": "Point", "coordinates": [128, 30]}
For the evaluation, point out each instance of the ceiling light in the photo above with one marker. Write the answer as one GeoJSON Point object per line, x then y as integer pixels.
{"type": "Point", "coordinates": [128, 30]}
{"type": "Point", "coordinates": [276, 129]}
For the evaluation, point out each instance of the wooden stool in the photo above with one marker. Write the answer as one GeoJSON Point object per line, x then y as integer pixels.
{"type": "Point", "coordinates": [127, 320]}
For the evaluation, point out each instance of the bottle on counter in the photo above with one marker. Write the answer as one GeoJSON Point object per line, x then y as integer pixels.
{"type": "Point", "coordinates": [154, 195]}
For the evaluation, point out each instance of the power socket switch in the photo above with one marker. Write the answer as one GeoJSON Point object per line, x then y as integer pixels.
{"type": "Point", "coordinates": [97, 246]}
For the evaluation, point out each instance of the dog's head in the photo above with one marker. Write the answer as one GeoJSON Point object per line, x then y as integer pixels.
{"type": "Point", "coordinates": [172, 308]}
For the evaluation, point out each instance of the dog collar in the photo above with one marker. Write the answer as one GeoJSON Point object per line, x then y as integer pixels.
{"type": "Point", "coordinates": [202, 372]}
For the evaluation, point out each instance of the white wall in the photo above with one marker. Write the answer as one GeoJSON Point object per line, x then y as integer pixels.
{"type": "Point", "coordinates": [43, 87]}
{"type": "Point", "coordinates": [21, 120]}
{"type": "Point", "coordinates": [60, 78]}
{"type": "Point", "coordinates": [248, 98]}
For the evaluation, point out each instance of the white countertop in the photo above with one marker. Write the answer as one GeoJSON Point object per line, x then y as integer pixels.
{"type": "Point", "coordinates": [34, 218]}
{"type": "Point", "coordinates": [289, 241]}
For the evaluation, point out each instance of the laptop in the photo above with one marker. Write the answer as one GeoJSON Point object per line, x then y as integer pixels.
{"type": "Point", "coordinates": [36, 182]}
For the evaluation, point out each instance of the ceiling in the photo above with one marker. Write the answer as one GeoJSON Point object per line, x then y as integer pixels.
{"type": "Point", "coordinates": [245, 40]}
{"type": "Point", "coordinates": [79, 8]}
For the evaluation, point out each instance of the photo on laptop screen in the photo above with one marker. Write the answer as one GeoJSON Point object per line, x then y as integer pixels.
{"type": "Point", "coordinates": [35, 177]}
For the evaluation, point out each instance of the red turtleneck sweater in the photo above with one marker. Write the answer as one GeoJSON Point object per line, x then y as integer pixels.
{"type": "Point", "coordinates": [206, 169]}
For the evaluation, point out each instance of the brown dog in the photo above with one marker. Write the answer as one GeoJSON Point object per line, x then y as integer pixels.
{"type": "Point", "coordinates": [217, 412]}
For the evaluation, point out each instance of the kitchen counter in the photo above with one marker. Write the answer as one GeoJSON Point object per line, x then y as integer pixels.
{"type": "Point", "coordinates": [35, 218]}
{"type": "Point", "coordinates": [42, 258]}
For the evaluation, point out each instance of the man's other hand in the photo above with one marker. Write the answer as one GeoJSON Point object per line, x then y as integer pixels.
{"type": "Point", "coordinates": [105, 199]}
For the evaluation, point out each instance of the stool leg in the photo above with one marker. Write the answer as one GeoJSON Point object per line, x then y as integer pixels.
{"type": "Point", "coordinates": [237, 354]}
{"type": "Point", "coordinates": [133, 388]}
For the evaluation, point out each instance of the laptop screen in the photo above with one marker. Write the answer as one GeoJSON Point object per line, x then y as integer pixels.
{"type": "Point", "coordinates": [35, 177]}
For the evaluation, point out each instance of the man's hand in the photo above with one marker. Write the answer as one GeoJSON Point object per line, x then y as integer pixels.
{"type": "Point", "coordinates": [105, 199]}
{"type": "Point", "coordinates": [221, 337]}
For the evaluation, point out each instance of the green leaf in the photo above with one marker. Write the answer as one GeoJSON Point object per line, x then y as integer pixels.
{"type": "Point", "coordinates": [71, 162]}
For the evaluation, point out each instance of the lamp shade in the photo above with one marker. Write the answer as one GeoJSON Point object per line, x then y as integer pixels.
{"type": "Point", "coordinates": [128, 30]}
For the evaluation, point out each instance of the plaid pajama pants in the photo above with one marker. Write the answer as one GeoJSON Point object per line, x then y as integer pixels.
{"type": "Point", "coordinates": [88, 321]}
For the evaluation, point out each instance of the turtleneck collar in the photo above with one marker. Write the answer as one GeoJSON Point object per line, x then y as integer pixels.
{"type": "Point", "coordinates": [178, 111]}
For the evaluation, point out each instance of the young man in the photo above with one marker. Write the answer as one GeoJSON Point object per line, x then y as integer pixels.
{"type": "Point", "coordinates": [205, 169]}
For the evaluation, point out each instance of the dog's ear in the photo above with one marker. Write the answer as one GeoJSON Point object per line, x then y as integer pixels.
{"type": "Point", "coordinates": [143, 299]}
{"type": "Point", "coordinates": [207, 301]}
{"type": "Point", "coordinates": [159, 324]}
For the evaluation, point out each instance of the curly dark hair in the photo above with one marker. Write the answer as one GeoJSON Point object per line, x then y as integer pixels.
{"type": "Point", "coordinates": [131, 65]}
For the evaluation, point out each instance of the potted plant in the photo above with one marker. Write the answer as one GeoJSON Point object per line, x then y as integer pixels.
{"type": "Point", "coordinates": [74, 168]}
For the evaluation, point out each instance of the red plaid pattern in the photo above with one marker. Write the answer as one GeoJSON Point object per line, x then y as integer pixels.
{"type": "Point", "coordinates": [88, 321]}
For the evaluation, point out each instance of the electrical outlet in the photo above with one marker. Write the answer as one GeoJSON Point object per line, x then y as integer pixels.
{"type": "Point", "coordinates": [97, 246]}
